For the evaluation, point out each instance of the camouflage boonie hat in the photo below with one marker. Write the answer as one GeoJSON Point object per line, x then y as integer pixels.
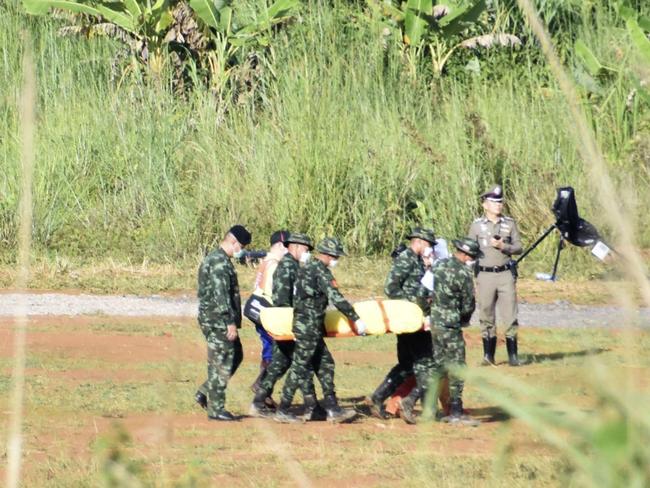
{"type": "Point", "coordinates": [425, 234]}
{"type": "Point", "coordinates": [297, 238]}
{"type": "Point", "coordinates": [468, 246]}
{"type": "Point", "coordinates": [331, 246]}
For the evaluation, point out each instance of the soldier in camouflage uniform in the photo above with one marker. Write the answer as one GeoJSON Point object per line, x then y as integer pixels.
{"type": "Point", "coordinates": [219, 319]}
{"type": "Point", "coordinates": [284, 279]}
{"type": "Point", "coordinates": [498, 237]}
{"type": "Point", "coordinates": [452, 308]}
{"type": "Point", "coordinates": [315, 287]}
{"type": "Point", "coordinates": [414, 350]}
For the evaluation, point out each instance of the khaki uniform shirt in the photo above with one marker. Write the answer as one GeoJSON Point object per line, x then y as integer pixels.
{"type": "Point", "coordinates": [482, 230]}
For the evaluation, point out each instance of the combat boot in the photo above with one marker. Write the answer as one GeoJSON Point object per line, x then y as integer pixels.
{"type": "Point", "coordinates": [456, 415]}
{"type": "Point", "coordinates": [377, 399]}
{"type": "Point", "coordinates": [310, 406]}
{"type": "Point", "coordinates": [201, 399]}
{"type": "Point", "coordinates": [489, 349]}
{"type": "Point", "coordinates": [335, 413]}
{"type": "Point", "coordinates": [283, 415]}
{"type": "Point", "coordinates": [407, 404]}
{"type": "Point", "coordinates": [511, 346]}
{"type": "Point", "coordinates": [223, 416]}
{"type": "Point", "coordinates": [259, 407]}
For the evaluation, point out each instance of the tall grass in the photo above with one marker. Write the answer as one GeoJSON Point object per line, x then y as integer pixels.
{"type": "Point", "coordinates": [338, 140]}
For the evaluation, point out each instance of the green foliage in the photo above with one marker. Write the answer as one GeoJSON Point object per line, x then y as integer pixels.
{"type": "Point", "coordinates": [606, 446]}
{"type": "Point", "coordinates": [337, 138]}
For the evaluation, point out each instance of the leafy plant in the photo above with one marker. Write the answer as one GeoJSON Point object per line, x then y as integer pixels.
{"type": "Point", "coordinates": [202, 30]}
{"type": "Point", "coordinates": [442, 29]}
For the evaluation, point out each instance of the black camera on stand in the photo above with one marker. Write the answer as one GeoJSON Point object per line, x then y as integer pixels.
{"type": "Point", "coordinates": [571, 226]}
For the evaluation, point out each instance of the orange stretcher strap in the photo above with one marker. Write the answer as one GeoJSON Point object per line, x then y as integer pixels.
{"type": "Point", "coordinates": [384, 315]}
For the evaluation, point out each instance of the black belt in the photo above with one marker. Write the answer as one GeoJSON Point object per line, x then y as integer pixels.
{"type": "Point", "coordinates": [494, 269]}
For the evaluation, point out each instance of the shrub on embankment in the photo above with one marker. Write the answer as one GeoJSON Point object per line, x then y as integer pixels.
{"type": "Point", "coordinates": [337, 137]}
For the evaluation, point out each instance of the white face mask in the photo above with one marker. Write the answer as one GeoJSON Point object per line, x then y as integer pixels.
{"type": "Point", "coordinates": [238, 254]}
{"type": "Point", "coordinates": [333, 263]}
{"type": "Point", "coordinates": [428, 251]}
{"type": "Point", "coordinates": [471, 263]}
{"type": "Point", "coordinates": [304, 257]}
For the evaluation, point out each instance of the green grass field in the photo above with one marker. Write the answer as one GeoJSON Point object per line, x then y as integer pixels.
{"type": "Point", "coordinates": [112, 399]}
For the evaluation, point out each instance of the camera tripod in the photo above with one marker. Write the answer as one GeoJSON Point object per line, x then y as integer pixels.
{"type": "Point", "coordinates": [560, 246]}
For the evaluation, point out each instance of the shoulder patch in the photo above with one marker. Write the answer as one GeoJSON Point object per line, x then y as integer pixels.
{"type": "Point", "coordinates": [334, 284]}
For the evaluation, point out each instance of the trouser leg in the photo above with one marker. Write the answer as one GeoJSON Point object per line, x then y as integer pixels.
{"type": "Point", "coordinates": [487, 296]}
{"type": "Point", "coordinates": [507, 303]}
{"type": "Point", "coordinates": [267, 343]}
{"type": "Point", "coordinates": [221, 361]}
{"type": "Point", "coordinates": [280, 363]}
{"type": "Point", "coordinates": [323, 366]}
{"type": "Point", "coordinates": [300, 371]}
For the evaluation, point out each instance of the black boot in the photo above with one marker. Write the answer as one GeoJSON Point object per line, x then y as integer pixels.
{"type": "Point", "coordinates": [376, 401]}
{"type": "Point", "coordinates": [263, 366]}
{"type": "Point", "coordinates": [456, 415]}
{"type": "Point", "coordinates": [259, 407]}
{"type": "Point", "coordinates": [489, 349]}
{"type": "Point", "coordinates": [201, 399]}
{"type": "Point", "coordinates": [283, 415]}
{"type": "Point", "coordinates": [310, 406]}
{"type": "Point", "coordinates": [511, 345]}
{"type": "Point", "coordinates": [407, 404]}
{"type": "Point", "coordinates": [335, 413]}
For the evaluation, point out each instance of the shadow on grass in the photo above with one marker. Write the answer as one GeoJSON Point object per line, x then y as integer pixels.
{"type": "Point", "coordinates": [489, 414]}
{"type": "Point", "coordinates": [555, 356]}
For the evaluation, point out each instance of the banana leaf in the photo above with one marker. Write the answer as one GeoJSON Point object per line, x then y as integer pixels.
{"type": "Point", "coordinates": [639, 39]}
{"type": "Point", "coordinates": [41, 7]}
{"type": "Point", "coordinates": [207, 12]}
{"type": "Point", "coordinates": [591, 63]}
{"type": "Point", "coordinates": [122, 19]}
{"type": "Point", "coordinates": [133, 8]}
{"type": "Point", "coordinates": [419, 15]}
{"type": "Point", "coordinates": [282, 8]}
{"type": "Point", "coordinates": [461, 18]}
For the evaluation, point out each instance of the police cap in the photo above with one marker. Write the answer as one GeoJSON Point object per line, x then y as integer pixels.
{"type": "Point", "coordinates": [494, 194]}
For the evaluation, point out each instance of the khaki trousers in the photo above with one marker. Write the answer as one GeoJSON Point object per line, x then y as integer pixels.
{"type": "Point", "coordinates": [497, 290]}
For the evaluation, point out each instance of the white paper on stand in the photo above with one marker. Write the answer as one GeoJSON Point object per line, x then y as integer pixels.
{"type": "Point", "coordinates": [600, 250]}
{"type": "Point", "coordinates": [427, 280]}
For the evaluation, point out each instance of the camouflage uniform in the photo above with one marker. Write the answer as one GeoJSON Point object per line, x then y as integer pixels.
{"type": "Point", "coordinates": [219, 306]}
{"type": "Point", "coordinates": [315, 286]}
{"type": "Point", "coordinates": [283, 282]}
{"type": "Point", "coordinates": [452, 308]}
{"type": "Point", "coordinates": [414, 350]}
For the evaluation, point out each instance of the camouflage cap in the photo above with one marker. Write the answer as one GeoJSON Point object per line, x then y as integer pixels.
{"type": "Point", "coordinates": [297, 238]}
{"type": "Point", "coordinates": [425, 234]}
{"type": "Point", "coordinates": [494, 194]}
{"type": "Point", "coordinates": [331, 246]}
{"type": "Point", "coordinates": [468, 246]}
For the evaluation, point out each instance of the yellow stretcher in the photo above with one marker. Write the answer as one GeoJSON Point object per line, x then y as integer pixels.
{"type": "Point", "coordinates": [380, 317]}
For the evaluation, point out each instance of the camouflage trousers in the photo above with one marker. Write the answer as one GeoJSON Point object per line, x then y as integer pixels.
{"type": "Point", "coordinates": [224, 358]}
{"type": "Point", "coordinates": [282, 357]}
{"type": "Point", "coordinates": [310, 356]}
{"type": "Point", "coordinates": [448, 350]}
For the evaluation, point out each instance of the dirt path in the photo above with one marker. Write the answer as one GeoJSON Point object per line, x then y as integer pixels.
{"type": "Point", "coordinates": [558, 314]}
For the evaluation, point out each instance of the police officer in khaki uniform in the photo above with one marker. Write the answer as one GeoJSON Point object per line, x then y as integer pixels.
{"type": "Point", "coordinates": [498, 238]}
